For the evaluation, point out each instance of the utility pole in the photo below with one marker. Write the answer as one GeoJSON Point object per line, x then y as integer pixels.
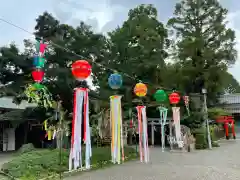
{"type": "Point", "coordinates": [204, 91]}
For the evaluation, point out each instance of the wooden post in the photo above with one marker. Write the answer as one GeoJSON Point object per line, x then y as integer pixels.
{"type": "Point", "coordinates": [152, 131]}
{"type": "Point", "coordinates": [170, 134]}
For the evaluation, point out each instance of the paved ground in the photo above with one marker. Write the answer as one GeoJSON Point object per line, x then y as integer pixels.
{"type": "Point", "coordinates": [218, 164]}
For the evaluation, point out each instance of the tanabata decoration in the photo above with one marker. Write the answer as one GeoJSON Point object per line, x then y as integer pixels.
{"type": "Point", "coordinates": [141, 90]}
{"type": "Point", "coordinates": [174, 99]}
{"type": "Point", "coordinates": [115, 80]}
{"type": "Point", "coordinates": [38, 62]}
{"type": "Point", "coordinates": [40, 47]}
{"type": "Point", "coordinates": [38, 86]}
{"type": "Point", "coordinates": [117, 149]}
{"type": "Point", "coordinates": [80, 118]}
{"type": "Point", "coordinates": [81, 70]}
{"type": "Point", "coordinates": [161, 97]}
{"type": "Point", "coordinates": [38, 75]}
{"type": "Point", "coordinates": [143, 135]}
{"type": "Point", "coordinates": [186, 102]}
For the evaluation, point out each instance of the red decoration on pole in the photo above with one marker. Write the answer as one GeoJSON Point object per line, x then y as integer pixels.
{"type": "Point", "coordinates": [38, 75]}
{"type": "Point", "coordinates": [174, 98]}
{"type": "Point", "coordinates": [186, 100]}
{"type": "Point", "coordinates": [81, 70]}
{"type": "Point", "coordinates": [131, 123]}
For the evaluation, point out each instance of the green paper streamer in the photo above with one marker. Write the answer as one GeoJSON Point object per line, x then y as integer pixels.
{"type": "Point", "coordinates": [163, 119]}
{"type": "Point", "coordinates": [37, 46]}
{"type": "Point", "coordinates": [38, 86]}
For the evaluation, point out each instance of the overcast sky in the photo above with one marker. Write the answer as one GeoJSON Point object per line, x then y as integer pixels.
{"type": "Point", "coordinates": [102, 16]}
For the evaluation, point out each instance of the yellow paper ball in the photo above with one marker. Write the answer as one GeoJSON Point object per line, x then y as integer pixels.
{"type": "Point", "coordinates": [140, 89]}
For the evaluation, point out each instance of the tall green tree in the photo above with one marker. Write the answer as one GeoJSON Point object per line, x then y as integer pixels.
{"type": "Point", "coordinates": [67, 45]}
{"type": "Point", "coordinates": [230, 84]}
{"type": "Point", "coordinates": [138, 48]}
{"type": "Point", "coordinates": [15, 70]}
{"type": "Point", "coordinates": [204, 44]}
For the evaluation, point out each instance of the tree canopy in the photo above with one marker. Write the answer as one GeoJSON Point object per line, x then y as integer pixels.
{"type": "Point", "coordinates": [204, 46]}
{"type": "Point", "coordinates": [201, 50]}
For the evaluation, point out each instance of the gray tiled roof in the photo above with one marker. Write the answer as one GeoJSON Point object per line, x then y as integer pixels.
{"type": "Point", "coordinates": [7, 102]}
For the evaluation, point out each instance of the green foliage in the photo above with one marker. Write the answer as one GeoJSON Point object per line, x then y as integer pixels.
{"type": "Point", "coordinates": [214, 113]}
{"type": "Point", "coordinates": [138, 47]}
{"type": "Point", "coordinates": [201, 138]}
{"type": "Point", "coordinates": [42, 97]}
{"type": "Point", "coordinates": [204, 46]}
{"type": "Point", "coordinates": [194, 121]}
{"type": "Point", "coordinates": [26, 148]}
{"type": "Point", "coordinates": [230, 84]}
{"type": "Point", "coordinates": [214, 130]}
{"type": "Point", "coordinates": [43, 163]}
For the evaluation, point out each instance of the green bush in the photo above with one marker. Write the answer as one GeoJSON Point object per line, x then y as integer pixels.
{"type": "Point", "coordinates": [26, 148]}
{"type": "Point", "coordinates": [214, 113]}
{"type": "Point", "coordinates": [42, 163]}
{"type": "Point", "coordinates": [201, 140]}
{"type": "Point", "coordinates": [194, 121]}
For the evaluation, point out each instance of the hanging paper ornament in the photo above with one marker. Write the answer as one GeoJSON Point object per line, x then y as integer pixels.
{"type": "Point", "coordinates": [160, 96]}
{"type": "Point", "coordinates": [177, 126]}
{"type": "Point", "coordinates": [174, 98]}
{"type": "Point", "coordinates": [42, 48]}
{"type": "Point", "coordinates": [186, 102]}
{"type": "Point", "coordinates": [80, 119]}
{"type": "Point", "coordinates": [37, 46]}
{"type": "Point", "coordinates": [140, 89]}
{"type": "Point", "coordinates": [38, 86]}
{"type": "Point", "coordinates": [38, 62]}
{"type": "Point", "coordinates": [38, 75]}
{"type": "Point", "coordinates": [115, 81]}
{"type": "Point", "coordinates": [81, 70]}
{"type": "Point", "coordinates": [163, 118]}
{"type": "Point", "coordinates": [117, 149]}
{"type": "Point", "coordinates": [131, 124]}
{"type": "Point", "coordinates": [143, 135]}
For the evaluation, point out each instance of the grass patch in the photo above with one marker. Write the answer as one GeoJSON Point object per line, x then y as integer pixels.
{"type": "Point", "coordinates": [38, 164]}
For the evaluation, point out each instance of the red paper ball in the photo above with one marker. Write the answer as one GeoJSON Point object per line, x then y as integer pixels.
{"type": "Point", "coordinates": [81, 69]}
{"type": "Point", "coordinates": [174, 98]}
{"type": "Point", "coordinates": [38, 75]}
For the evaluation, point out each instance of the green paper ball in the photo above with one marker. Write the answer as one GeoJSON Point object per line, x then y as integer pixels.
{"type": "Point", "coordinates": [38, 86]}
{"type": "Point", "coordinates": [160, 96]}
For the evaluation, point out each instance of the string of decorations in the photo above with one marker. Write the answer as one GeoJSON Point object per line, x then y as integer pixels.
{"type": "Point", "coordinates": [72, 52]}
{"type": "Point", "coordinates": [38, 62]}
{"type": "Point", "coordinates": [81, 69]}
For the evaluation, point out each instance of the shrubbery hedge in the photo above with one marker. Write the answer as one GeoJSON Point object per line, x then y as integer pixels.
{"type": "Point", "coordinates": [38, 164]}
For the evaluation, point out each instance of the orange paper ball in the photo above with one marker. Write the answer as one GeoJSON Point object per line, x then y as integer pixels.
{"type": "Point", "coordinates": [140, 89]}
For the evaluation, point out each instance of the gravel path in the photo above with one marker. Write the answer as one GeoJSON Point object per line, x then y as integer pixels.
{"type": "Point", "coordinates": [218, 164]}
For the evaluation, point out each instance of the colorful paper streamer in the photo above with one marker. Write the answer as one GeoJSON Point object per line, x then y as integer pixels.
{"type": "Point", "coordinates": [163, 118]}
{"type": "Point", "coordinates": [80, 117]}
{"type": "Point", "coordinates": [177, 125]}
{"type": "Point", "coordinates": [117, 149]}
{"type": "Point", "coordinates": [143, 135]}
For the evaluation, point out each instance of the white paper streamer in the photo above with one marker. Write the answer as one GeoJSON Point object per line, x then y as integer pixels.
{"type": "Point", "coordinates": [75, 157]}
{"type": "Point", "coordinates": [143, 135]}
{"type": "Point", "coordinates": [176, 119]}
